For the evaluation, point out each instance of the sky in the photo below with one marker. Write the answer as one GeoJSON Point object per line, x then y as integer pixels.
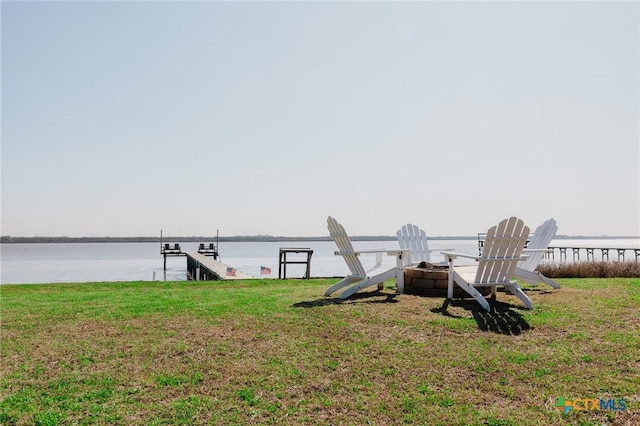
{"type": "Point", "coordinates": [244, 118]}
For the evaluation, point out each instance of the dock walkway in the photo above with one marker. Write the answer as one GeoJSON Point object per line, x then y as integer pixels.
{"type": "Point", "coordinates": [206, 268]}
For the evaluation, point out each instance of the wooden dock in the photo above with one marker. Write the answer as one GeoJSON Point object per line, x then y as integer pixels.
{"type": "Point", "coordinates": [206, 268]}
{"type": "Point", "coordinates": [577, 251]}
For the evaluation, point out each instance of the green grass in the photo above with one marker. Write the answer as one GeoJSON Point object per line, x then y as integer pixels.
{"type": "Point", "coordinates": [278, 352]}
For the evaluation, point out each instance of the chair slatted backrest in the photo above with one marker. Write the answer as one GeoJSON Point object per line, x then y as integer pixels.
{"type": "Point", "coordinates": [501, 252]}
{"type": "Point", "coordinates": [345, 247]}
{"type": "Point", "coordinates": [413, 238]}
{"type": "Point", "coordinates": [540, 240]}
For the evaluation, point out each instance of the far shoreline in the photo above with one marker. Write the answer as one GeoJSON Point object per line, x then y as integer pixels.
{"type": "Point", "coordinates": [6, 239]}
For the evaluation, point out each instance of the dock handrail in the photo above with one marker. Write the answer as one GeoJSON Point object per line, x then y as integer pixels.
{"type": "Point", "coordinates": [576, 251]}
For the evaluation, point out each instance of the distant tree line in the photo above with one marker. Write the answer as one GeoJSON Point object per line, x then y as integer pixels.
{"type": "Point", "coordinates": [7, 239]}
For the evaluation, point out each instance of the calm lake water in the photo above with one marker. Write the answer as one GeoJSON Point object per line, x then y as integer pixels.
{"type": "Point", "coordinates": [94, 262]}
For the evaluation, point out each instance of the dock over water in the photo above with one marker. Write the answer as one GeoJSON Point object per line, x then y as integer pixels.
{"type": "Point", "coordinates": [206, 268]}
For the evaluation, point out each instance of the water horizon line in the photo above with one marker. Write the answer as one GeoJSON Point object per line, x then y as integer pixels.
{"type": "Point", "coordinates": [6, 239]}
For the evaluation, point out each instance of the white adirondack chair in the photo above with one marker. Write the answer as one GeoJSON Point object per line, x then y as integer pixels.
{"type": "Point", "coordinates": [413, 238]}
{"type": "Point", "coordinates": [501, 252]}
{"type": "Point", "coordinates": [538, 245]}
{"type": "Point", "coordinates": [359, 279]}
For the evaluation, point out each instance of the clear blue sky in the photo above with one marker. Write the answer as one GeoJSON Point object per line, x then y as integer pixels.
{"type": "Point", "coordinates": [125, 118]}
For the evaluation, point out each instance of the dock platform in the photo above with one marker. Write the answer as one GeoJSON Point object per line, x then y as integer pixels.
{"type": "Point", "coordinates": [206, 268]}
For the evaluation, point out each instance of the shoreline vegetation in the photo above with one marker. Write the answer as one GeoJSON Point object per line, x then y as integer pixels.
{"type": "Point", "coordinates": [590, 269]}
{"type": "Point", "coordinates": [7, 239]}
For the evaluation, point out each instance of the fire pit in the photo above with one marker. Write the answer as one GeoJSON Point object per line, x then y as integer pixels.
{"type": "Point", "coordinates": [431, 280]}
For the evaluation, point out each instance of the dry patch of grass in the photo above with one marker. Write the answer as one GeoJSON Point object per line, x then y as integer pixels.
{"type": "Point", "coordinates": [274, 352]}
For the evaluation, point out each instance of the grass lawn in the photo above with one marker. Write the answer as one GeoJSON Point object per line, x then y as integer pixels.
{"type": "Point", "coordinates": [278, 352]}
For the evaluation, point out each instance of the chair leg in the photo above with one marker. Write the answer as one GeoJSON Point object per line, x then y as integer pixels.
{"type": "Point", "coordinates": [547, 280]}
{"type": "Point", "coordinates": [400, 274]}
{"type": "Point", "coordinates": [528, 276]}
{"type": "Point", "coordinates": [517, 291]}
{"type": "Point", "coordinates": [471, 291]}
{"type": "Point", "coordinates": [340, 284]}
{"type": "Point", "coordinates": [356, 288]}
{"type": "Point", "coordinates": [534, 278]}
{"type": "Point", "coordinates": [450, 279]}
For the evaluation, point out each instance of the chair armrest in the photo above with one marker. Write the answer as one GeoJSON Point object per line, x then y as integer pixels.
{"type": "Point", "coordinates": [349, 253]}
{"type": "Point", "coordinates": [453, 255]}
{"type": "Point", "coordinates": [394, 252]}
{"type": "Point", "coordinates": [538, 250]}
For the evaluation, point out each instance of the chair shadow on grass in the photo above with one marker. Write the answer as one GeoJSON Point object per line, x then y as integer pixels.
{"type": "Point", "coordinates": [503, 318]}
{"type": "Point", "coordinates": [364, 297]}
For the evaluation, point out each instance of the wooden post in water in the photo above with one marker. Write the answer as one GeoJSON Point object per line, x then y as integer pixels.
{"type": "Point", "coordinates": [164, 254]}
